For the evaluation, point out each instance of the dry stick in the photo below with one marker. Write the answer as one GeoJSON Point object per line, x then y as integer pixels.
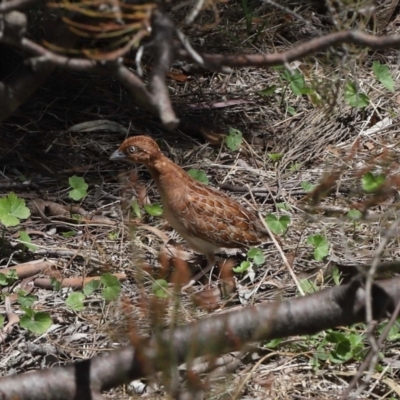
{"type": "Point", "coordinates": [310, 47]}
{"type": "Point", "coordinates": [157, 101]}
{"type": "Point", "coordinates": [31, 268]}
{"type": "Point", "coordinates": [164, 53]}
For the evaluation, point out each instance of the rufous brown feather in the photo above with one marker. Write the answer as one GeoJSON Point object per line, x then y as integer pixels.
{"type": "Point", "coordinates": [206, 218]}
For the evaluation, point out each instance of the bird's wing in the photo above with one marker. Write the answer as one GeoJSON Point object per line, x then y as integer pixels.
{"type": "Point", "coordinates": [214, 217]}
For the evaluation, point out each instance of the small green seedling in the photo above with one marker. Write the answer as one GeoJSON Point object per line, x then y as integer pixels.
{"type": "Point", "coordinates": [112, 287]}
{"type": "Point", "coordinates": [308, 286]}
{"type": "Point", "coordinates": [353, 96]}
{"type": "Point", "coordinates": [35, 321]}
{"type": "Point", "coordinates": [79, 188]}
{"type": "Point", "coordinates": [371, 183]}
{"type": "Point", "coordinates": [283, 206]}
{"type": "Point", "coordinates": [91, 287]}
{"type": "Point", "coordinates": [12, 210]}
{"type": "Point", "coordinates": [155, 210]}
{"type": "Point", "coordinates": [68, 234]}
{"type": "Point", "coordinates": [198, 175]}
{"type": "Point", "coordinates": [277, 225]}
{"type": "Point", "coordinates": [75, 301]}
{"type": "Point", "coordinates": [354, 216]}
{"type": "Point", "coordinates": [9, 278]}
{"type": "Point", "coordinates": [136, 209]}
{"type": "Point", "coordinates": [26, 240]}
{"type": "Point", "coordinates": [25, 299]}
{"type": "Point", "coordinates": [234, 139]}
{"type": "Point", "coordinates": [113, 236]}
{"type": "Point", "coordinates": [268, 91]}
{"type": "Point", "coordinates": [307, 186]}
{"type": "Point", "coordinates": [275, 156]}
{"type": "Point", "coordinates": [160, 288]}
{"type": "Point", "coordinates": [320, 244]}
{"type": "Point", "coordinates": [296, 82]}
{"type": "Point", "coordinates": [254, 257]}
{"type": "Point", "coordinates": [383, 75]}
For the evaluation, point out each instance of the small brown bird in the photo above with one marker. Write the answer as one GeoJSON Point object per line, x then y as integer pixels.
{"type": "Point", "coordinates": [205, 217]}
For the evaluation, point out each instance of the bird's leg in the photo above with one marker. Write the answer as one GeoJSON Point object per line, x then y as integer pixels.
{"type": "Point", "coordinates": [210, 265]}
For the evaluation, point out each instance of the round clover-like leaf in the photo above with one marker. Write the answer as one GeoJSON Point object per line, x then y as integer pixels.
{"type": "Point", "coordinates": [79, 187]}
{"type": "Point", "coordinates": [112, 287]}
{"type": "Point", "coordinates": [35, 322]}
{"type": "Point", "coordinates": [75, 301]}
{"type": "Point", "coordinates": [199, 175]}
{"type": "Point", "coordinates": [12, 210]}
{"type": "Point", "coordinates": [277, 225]}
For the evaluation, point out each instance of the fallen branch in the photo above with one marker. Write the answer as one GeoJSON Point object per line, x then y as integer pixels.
{"type": "Point", "coordinates": [218, 61]}
{"type": "Point", "coordinates": [337, 306]}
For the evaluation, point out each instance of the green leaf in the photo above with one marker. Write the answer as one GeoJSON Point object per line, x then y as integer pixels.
{"type": "Point", "coordinates": [3, 280]}
{"type": "Point", "coordinates": [90, 287]}
{"type": "Point", "coordinates": [26, 239]}
{"type": "Point", "coordinates": [353, 97]}
{"type": "Point", "coordinates": [244, 266]}
{"type": "Point", "coordinates": [295, 167]}
{"type": "Point", "coordinates": [283, 206]}
{"type": "Point", "coordinates": [56, 284]}
{"type": "Point", "coordinates": [79, 187]}
{"type": "Point", "coordinates": [8, 278]}
{"type": "Point", "coordinates": [12, 210]}
{"type": "Point", "coordinates": [12, 275]}
{"type": "Point", "coordinates": [68, 234]}
{"type": "Point", "coordinates": [275, 156]}
{"type": "Point", "coordinates": [268, 91]}
{"type": "Point", "coordinates": [336, 275]}
{"type": "Point", "coordinates": [112, 287]}
{"type": "Point", "coordinates": [1, 321]}
{"type": "Point", "coordinates": [136, 209]}
{"type": "Point", "coordinates": [154, 210]}
{"type": "Point", "coordinates": [354, 215]}
{"type": "Point", "coordinates": [75, 301]}
{"type": "Point", "coordinates": [273, 344]}
{"type": "Point", "coordinates": [307, 186]}
{"type": "Point", "coordinates": [159, 288]}
{"type": "Point", "coordinates": [35, 322]}
{"type": "Point", "coordinates": [113, 236]}
{"type": "Point", "coordinates": [26, 300]}
{"type": "Point", "coordinates": [277, 225]}
{"type": "Point", "coordinates": [198, 175]}
{"type": "Point", "coordinates": [383, 75]}
{"type": "Point", "coordinates": [291, 110]}
{"type": "Point", "coordinates": [308, 286]}
{"type": "Point", "coordinates": [321, 246]}
{"type": "Point", "coordinates": [256, 255]}
{"type": "Point", "coordinates": [371, 183]}
{"type": "Point", "coordinates": [296, 81]}
{"type": "Point", "coordinates": [234, 139]}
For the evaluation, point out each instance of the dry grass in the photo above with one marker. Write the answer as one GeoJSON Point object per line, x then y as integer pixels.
{"type": "Point", "coordinates": [317, 139]}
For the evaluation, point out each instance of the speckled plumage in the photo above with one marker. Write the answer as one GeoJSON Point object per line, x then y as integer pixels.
{"type": "Point", "coordinates": [205, 217]}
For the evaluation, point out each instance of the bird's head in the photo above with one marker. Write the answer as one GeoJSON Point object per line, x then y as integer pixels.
{"type": "Point", "coordinates": [137, 149]}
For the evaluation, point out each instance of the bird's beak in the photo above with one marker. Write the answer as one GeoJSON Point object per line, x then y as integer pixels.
{"type": "Point", "coordinates": [117, 156]}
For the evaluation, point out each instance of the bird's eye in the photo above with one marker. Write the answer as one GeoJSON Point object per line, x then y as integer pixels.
{"type": "Point", "coordinates": [132, 149]}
